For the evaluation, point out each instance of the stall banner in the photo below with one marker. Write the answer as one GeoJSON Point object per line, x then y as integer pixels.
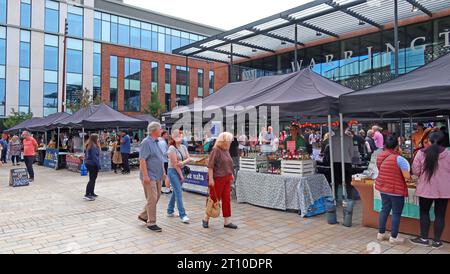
{"type": "Point", "coordinates": [73, 162]}
{"type": "Point", "coordinates": [105, 161]}
{"type": "Point", "coordinates": [18, 177]}
{"type": "Point", "coordinates": [196, 181]}
{"type": "Point", "coordinates": [51, 158]}
{"type": "Point", "coordinates": [411, 208]}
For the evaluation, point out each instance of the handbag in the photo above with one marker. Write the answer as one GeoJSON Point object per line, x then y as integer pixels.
{"type": "Point", "coordinates": [186, 170]}
{"type": "Point", "coordinates": [212, 208]}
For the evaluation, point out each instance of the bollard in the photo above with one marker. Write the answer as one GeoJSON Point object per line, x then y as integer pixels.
{"type": "Point", "coordinates": [331, 211]}
{"type": "Point", "coordinates": [347, 206]}
{"type": "Point", "coordinates": [83, 170]}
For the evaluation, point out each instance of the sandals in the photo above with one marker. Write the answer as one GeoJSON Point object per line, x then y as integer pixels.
{"type": "Point", "coordinates": [205, 224]}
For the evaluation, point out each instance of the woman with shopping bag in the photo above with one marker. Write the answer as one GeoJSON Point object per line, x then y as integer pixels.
{"type": "Point", "coordinates": [220, 178]}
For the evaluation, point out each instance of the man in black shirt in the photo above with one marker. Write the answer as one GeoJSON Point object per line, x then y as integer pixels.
{"type": "Point", "coordinates": [234, 153]}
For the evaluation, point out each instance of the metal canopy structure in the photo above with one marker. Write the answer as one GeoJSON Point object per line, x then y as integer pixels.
{"type": "Point", "coordinates": [307, 23]}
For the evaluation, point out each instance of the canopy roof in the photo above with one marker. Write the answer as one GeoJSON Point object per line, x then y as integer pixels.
{"type": "Point", "coordinates": [98, 117]}
{"type": "Point", "coordinates": [302, 94]}
{"type": "Point", "coordinates": [44, 123]}
{"type": "Point", "coordinates": [316, 20]}
{"type": "Point", "coordinates": [25, 124]}
{"type": "Point", "coordinates": [426, 88]}
{"type": "Point", "coordinates": [147, 117]}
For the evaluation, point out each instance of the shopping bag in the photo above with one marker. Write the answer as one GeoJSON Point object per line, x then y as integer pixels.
{"type": "Point", "coordinates": [212, 208]}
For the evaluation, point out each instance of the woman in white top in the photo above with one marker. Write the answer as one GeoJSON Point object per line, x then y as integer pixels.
{"type": "Point", "coordinates": [178, 157]}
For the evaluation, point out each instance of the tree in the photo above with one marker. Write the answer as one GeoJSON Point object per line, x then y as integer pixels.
{"type": "Point", "coordinates": [154, 107]}
{"type": "Point", "coordinates": [83, 100]}
{"type": "Point", "coordinates": [16, 118]}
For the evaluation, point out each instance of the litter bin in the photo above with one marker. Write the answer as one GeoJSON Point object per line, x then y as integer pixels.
{"type": "Point", "coordinates": [347, 206]}
{"type": "Point", "coordinates": [331, 211]}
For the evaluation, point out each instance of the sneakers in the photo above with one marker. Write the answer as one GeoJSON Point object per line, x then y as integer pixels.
{"type": "Point", "coordinates": [396, 241]}
{"type": "Point", "coordinates": [437, 245]}
{"type": "Point", "coordinates": [89, 198]}
{"type": "Point", "coordinates": [154, 228]}
{"type": "Point", "coordinates": [419, 241]}
{"type": "Point", "coordinates": [170, 215]}
{"type": "Point", "coordinates": [185, 219]}
{"type": "Point", "coordinates": [382, 237]}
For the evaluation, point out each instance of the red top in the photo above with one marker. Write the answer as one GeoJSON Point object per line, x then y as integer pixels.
{"type": "Point", "coordinates": [390, 179]}
{"type": "Point", "coordinates": [29, 146]}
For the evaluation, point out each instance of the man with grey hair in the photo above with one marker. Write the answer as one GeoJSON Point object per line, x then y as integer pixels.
{"type": "Point", "coordinates": [151, 160]}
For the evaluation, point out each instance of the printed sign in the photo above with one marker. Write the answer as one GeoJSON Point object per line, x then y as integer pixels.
{"type": "Point", "coordinates": [196, 181]}
{"type": "Point", "coordinates": [18, 177]}
{"type": "Point", "coordinates": [51, 158]}
{"type": "Point", "coordinates": [73, 163]}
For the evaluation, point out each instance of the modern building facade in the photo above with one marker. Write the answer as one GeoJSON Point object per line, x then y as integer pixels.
{"type": "Point", "coordinates": [119, 52]}
{"type": "Point", "coordinates": [348, 41]}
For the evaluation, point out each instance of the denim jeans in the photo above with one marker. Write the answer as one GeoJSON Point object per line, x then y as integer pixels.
{"type": "Point", "coordinates": [177, 195]}
{"type": "Point", "coordinates": [394, 203]}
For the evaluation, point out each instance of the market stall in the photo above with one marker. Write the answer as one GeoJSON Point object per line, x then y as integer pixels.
{"type": "Point", "coordinates": [409, 223]}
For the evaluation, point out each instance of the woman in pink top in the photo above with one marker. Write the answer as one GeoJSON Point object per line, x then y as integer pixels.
{"type": "Point", "coordinates": [432, 165]}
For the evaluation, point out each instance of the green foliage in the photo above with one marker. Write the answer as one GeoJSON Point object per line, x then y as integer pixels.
{"type": "Point", "coordinates": [155, 107]}
{"type": "Point", "coordinates": [84, 99]}
{"type": "Point", "coordinates": [16, 118]}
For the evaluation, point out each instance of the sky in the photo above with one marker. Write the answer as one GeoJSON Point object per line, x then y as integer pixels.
{"type": "Point", "coordinates": [224, 14]}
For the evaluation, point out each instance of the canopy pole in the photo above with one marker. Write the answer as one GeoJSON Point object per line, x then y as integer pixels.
{"type": "Point", "coordinates": [397, 48]}
{"type": "Point", "coordinates": [230, 76]}
{"type": "Point", "coordinates": [410, 137]}
{"type": "Point", "coordinates": [344, 184]}
{"type": "Point", "coordinates": [58, 138]}
{"type": "Point", "coordinates": [83, 138]}
{"type": "Point", "coordinates": [296, 49]}
{"type": "Point", "coordinates": [330, 142]}
{"type": "Point", "coordinates": [448, 126]}
{"type": "Point", "coordinates": [401, 128]}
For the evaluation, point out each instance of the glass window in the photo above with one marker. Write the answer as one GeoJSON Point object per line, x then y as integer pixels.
{"type": "Point", "coordinates": [50, 96]}
{"type": "Point", "coordinates": [176, 42]}
{"type": "Point", "coordinates": [74, 61]}
{"type": "Point", "coordinates": [113, 97]}
{"type": "Point", "coordinates": [50, 58]}
{"type": "Point", "coordinates": [97, 29]}
{"type": "Point", "coordinates": [135, 37]}
{"type": "Point", "coordinates": [388, 56]}
{"type": "Point", "coordinates": [51, 40]}
{"type": "Point", "coordinates": [146, 39]}
{"type": "Point", "coordinates": [24, 93]}
{"type": "Point", "coordinates": [106, 31]}
{"type": "Point", "coordinates": [113, 66]}
{"type": "Point", "coordinates": [97, 15]}
{"type": "Point", "coordinates": [24, 36]}
{"type": "Point", "coordinates": [74, 44]}
{"type": "Point", "coordinates": [75, 21]}
{"type": "Point", "coordinates": [182, 74]}
{"type": "Point", "coordinates": [2, 18]}
{"type": "Point", "coordinates": [2, 96]}
{"type": "Point", "coordinates": [161, 42]}
{"type": "Point", "coordinates": [51, 23]}
{"type": "Point", "coordinates": [2, 33]}
{"type": "Point", "coordinates": [168, 44]}
{"type": "Point", "coordinates": [211, 82]}
{"type": "Point", "coordinates": [132, 100]}
{"type": "Point", "coordinates": [167, 76]}
{"type": "Point", "coordinates": [2, 51]}
{"type": "Point", "coordinates": [124, 21]}
{"type": "Point", "coordinates": [124, 35]}
{"type": "Point", "coordinates": [97, 48]}
{"type": "Point", "coordinates": [132, 94]}
{"type": "Point", "coordinates": [24, 74]}
{"type": "Point", "coordinates": [2, 72]}
{"type": "Point", "coordinates": [114, 29]}
{"type": "Point", "coordinates": [200, 82]}
{"type": "Point", "coordinates": [419, 41]}
{"type": "Point", "coordinates": [97, 64]}
{"type": "Point", "coordinates": [24, 59]}
{"type": "Point", "coordinates": [154, 79]}
{"type": "Point", "coordinates": [154, 41]}
{"type": "Point", "coordinates": [74, 86]}
{"type": "Point", "coordinates": [50, 76]}
{"type": "Point", "coordinates": [25, 14]}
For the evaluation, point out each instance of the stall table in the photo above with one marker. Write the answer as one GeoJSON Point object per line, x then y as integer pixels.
{"type": "Point", "coordinates": [407, 225]}
{"type": "Point", "coordinates": [281, 192]}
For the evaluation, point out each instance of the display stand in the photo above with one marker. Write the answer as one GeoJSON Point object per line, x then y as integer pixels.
{"type": "Point", "coordinates": [299, 168]}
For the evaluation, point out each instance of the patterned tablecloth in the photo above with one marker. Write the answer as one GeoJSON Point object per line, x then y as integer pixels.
{"type": "Point", "coordinates": [280, 192]}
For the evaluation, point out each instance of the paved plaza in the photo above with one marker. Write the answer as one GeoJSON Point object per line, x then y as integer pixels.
{"type": "Point", "coordinates": [50, 216]}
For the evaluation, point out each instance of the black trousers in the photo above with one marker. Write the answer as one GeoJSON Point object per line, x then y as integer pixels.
{"type": "Point", "coordinates": [93, 173]}
{"type": "Point", "coordinates": [29, 160]}
{"type": "Point", "coordinates": [3, 156]}
{"type": "Point", "coordinates": [15, 159]}
{"type": "Point", "coordinates": [440, 206]}
{"type": "Point", "coordinates": [348, 178]}
{"type": "Point", "coordinates": [125, 162]}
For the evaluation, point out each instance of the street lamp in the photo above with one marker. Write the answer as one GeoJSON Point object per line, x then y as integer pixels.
{"type": "Point", "coordinates": [63, 93]}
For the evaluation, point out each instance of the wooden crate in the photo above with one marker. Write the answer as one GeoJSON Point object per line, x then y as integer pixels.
{"type": "Point", "coordinates": [250, 164]}
{"type": "Point", "coordinates": [297, 167]}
